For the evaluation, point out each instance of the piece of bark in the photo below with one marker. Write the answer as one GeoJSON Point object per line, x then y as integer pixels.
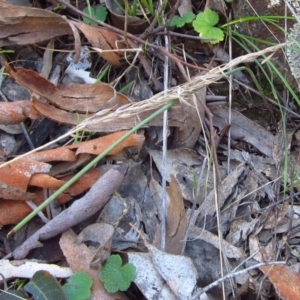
{"type": "Point", "coordinates": [80, 210]}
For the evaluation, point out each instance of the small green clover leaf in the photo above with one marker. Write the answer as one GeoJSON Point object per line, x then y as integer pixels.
{"type": "Point", "coordinates": [78, 287]}
{"type": "Point", "coordinates": [115, 276]}
{"type": "Point", "coordinates": [204, 24]}
{"type": "Point", "coordinates": [99, 13]}
{"type": "Point", "coordinates": [181, 21]}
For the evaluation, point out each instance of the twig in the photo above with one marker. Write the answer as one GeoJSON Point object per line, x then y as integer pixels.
{"type": "Point", "coordinates": [231, 275]}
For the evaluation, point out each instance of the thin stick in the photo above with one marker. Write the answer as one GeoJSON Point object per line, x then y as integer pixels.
{"type": "Point", "coordinates": [231, 275]}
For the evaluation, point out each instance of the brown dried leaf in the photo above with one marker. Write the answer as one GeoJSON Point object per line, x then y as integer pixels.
{"type": "Point", "coordinates": [276, 217]}
{"type": "Point", "coordinates": [24, 25]}
{"type": "Point", "coordinates": [45, 181]}
{"type": "Point", "coordinates": [188, 134]}
{"type": "Point", "coordinates": [66, 167]}
{"type": "Point", "coordinates": [104, 39]}
{"type": "Point", "coordinates": [12, 212]}
{"type": "Point", "coordinates": [285, 281]}
{"type": "Point", "coordinates": [14, 193]}
{"type": "Point", "coordinates": [176, 218]}
{"type": "Point", "coordinates": [85, 98]}
{"type": "Point", "coordinates": [57, 114]}
{"type": "Point", "coordinates": [97, 146]}
{"type": "Point", "coordinates": [58, 154]}
{"type": "Point", "coordinates": [18, 173]}
{"type": "Point", "coordinates": [176, 211]}
{"type": "Point", "coordinates": [17, 112]}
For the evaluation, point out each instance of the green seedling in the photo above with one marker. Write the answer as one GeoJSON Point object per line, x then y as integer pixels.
{"type": "Point", "coordinates": [115, 276]}
{"type": "Point", "coordinates": [205, 23]}
{"type": "Point", "coordinates": [45, 286]}
{"type": "Point", "coordinates": [148, 4]}
{"type": "Point", "coordinates": [78, 287]}
{"type": "Point", "coordinates": [100, 13]}
{"type": "Point", "coordinates": [127, 87]}
{"type": "Point", "coordinates": [102, 74]}
{"type": "Point", "coordinates": [144, 6]}
{"type": "Point", "coordinates": [181, 21]}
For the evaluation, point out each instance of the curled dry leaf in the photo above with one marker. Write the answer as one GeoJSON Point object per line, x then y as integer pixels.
{"type": "Point", "coordinates": [58, 115]}
{"type": "Point", "coordinates": [85, 98]}
{"type": "Point", "coordinates": [25, 25]}
{"type": "Point", "coordinates": [97, 146]}
{"type": "Point", "coordinates": [14, 193]}
{"type": "Point", "coordinates": [18, 173]}
{"type": "Point", "coordinates": [62, 116]}
{"type": "Point", "coordinates": [12, 212]}
{"type": "Point", "coordinates": [17, 112]}
{"type": "Point", "coordinates": [58, 154]}
{"type": "Point", "coordinates": [45, 181]}
{"type": "Point", "coordinates": [104, 39]}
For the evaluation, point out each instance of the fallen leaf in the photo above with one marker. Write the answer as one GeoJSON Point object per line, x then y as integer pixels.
{"type": "Point", "coordinates": [285, 281]}
{"type": "Point", "coordinates": [187, 135]}
{"type": "Point", "coordinates": [148, 279]}
{"type": "Point", "coordinates": [176, 221]}
{"type": "Point", "coordinates": [100, 234]}
{"type": "Point", "coordinates": [58, 154]}
{"type": "Point", "coordinates": [17, 112]}
{"type": "Point", "coordinates": [45, 181]}
{"type": "Point", "coordinates": [105, 39]}
{"type": "Point", "coordinates": [176, 218]}
{"type": "Point", "coordinates": [26, 269]}
{"type": "Point", "coordinates": [97, 146]}
{"type": "Point", "coordinates": [25, 25]}
{"type": "Point", "coordinates": [12, 212]}
{"type": "Point", "coordinates": [177, 270]}
{"type": "Point", "coordinates": [58, 115]}
{"type": "Point", "coordinates": [14, 193]}
{"type": "Point", "coordinates": [243, 128]}
{"type": "Point", "coordinates": [18, 173]}
{"type": "Point", "coordinates": [74, 97]}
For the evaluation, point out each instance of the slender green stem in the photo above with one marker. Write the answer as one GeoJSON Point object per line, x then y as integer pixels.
{"type": "Point", "coordinates": [89, 7]}
{"type": "Point", "coordinates": [91, 165]}
{"type": "Point", "coordinates": [256, 18]}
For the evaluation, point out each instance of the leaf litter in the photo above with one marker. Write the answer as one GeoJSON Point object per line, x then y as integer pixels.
{"type": "Point", "coordinates": [254, 219]}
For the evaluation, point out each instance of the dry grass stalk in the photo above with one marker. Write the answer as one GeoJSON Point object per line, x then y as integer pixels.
{"type": "Point", "coordinates": [180, 92]}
